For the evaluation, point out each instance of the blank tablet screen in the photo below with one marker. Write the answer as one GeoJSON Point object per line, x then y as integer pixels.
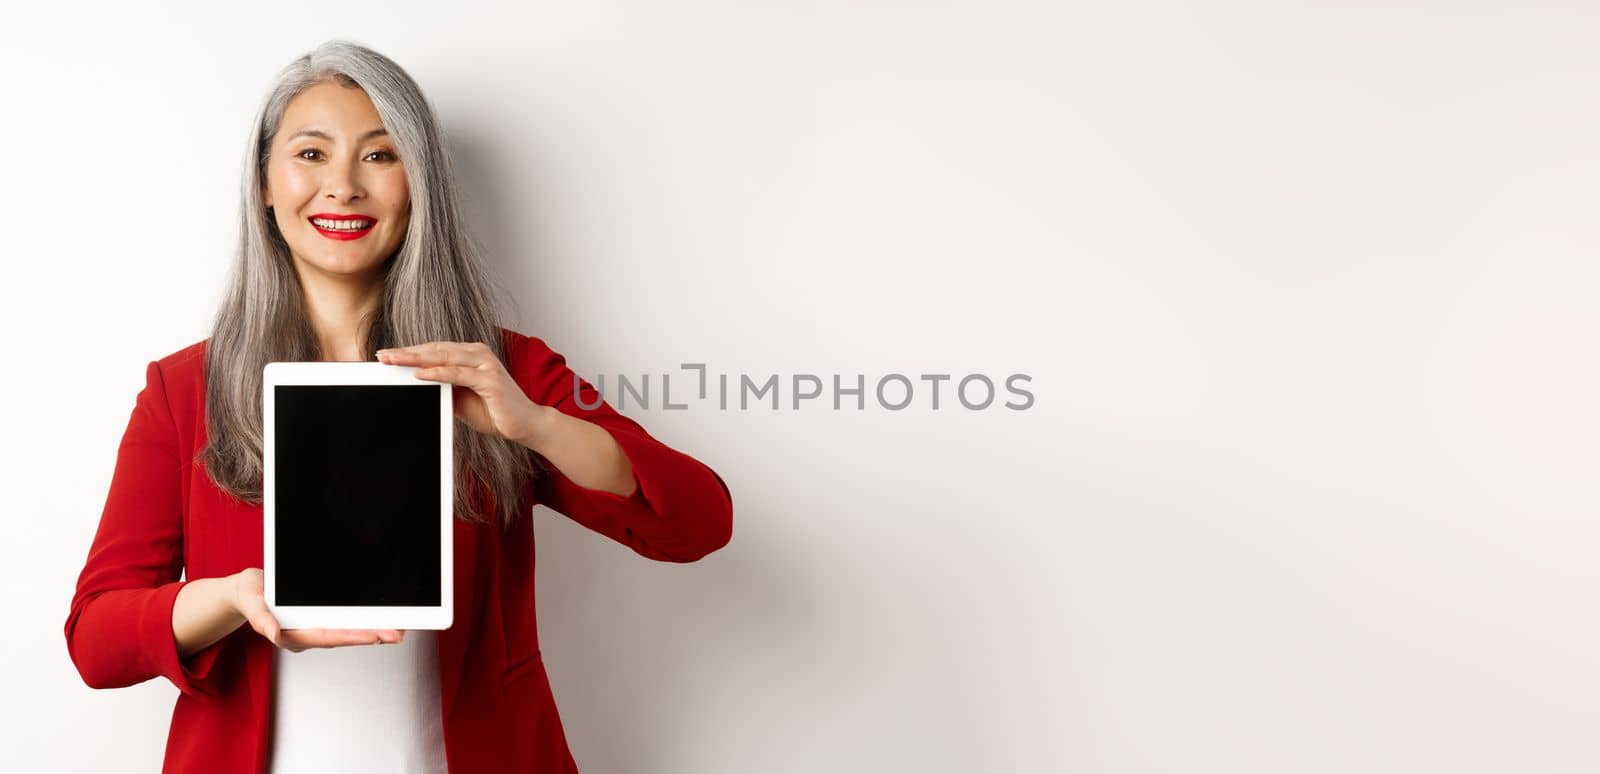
{"type": "Point", "coordinates": [357, 486]}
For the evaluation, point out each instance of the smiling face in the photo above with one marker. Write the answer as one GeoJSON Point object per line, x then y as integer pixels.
{"type": "Point", "coordinates": [335, 184]}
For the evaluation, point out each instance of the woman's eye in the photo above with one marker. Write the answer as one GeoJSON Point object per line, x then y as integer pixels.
{"type": "Point", "coordinates": [312, 154]}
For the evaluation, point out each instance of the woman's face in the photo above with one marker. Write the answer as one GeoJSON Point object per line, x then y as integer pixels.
{"type": "Point", "coordinates": [336, 186]}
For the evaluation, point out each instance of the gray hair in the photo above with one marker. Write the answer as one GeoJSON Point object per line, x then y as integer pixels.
{"type": "Point", "coordinates": [435, 288]}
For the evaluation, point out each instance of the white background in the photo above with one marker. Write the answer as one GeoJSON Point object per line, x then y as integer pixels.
{"type": "Point", "coordinates": [1308, 296]}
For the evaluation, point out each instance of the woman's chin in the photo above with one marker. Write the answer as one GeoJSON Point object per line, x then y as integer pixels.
{"type": "Point", "coordinates": [346, 266]}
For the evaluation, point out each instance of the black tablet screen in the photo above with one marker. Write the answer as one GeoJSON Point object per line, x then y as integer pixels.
{"type": "Point", "coordinates": [357, 494]}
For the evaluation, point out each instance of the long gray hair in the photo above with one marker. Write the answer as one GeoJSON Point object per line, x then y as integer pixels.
{"type": "Point", "coordinates": [434, 288]}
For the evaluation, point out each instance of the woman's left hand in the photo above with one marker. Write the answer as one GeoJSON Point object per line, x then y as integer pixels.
{"type": "Point", "coordinates": [485, 395]}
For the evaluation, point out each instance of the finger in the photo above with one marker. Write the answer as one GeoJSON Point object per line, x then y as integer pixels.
{"type": "Point", "coordinates": [334, 638]}
{"type": "Point", "coordinates": [363, 636]}
{"type": "Point", "coordinates": [254, 609]}
{"type": "Point", "coordinates": [295, 640]}
{"type": "Point", "coordinates": [322, 638]}
{"type": "Point", "coordinates": [268, 627]}
{"type": "Point", "coordinates": [379, 635]}
{"type": "Point", "coordinates": [476, 378]}
{"type": "Point", "coordinates": [439, 353]}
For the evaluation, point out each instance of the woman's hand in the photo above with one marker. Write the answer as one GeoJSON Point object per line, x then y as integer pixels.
{"type": "Point", "coordinates": [486, 397]}
{"type": "Point", "coordinates": [249, 599]}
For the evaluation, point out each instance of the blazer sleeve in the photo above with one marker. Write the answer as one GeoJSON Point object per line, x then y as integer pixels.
{"type": "Point", "coordinates": [680, 510]}
{"type": "Point", "coordinates": [119, 630]}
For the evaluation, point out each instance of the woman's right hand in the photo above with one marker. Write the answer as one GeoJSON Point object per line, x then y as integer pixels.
{"type": "Point", "coordinates": [250, 601]}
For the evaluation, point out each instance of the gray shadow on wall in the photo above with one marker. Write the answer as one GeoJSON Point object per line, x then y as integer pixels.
{"type": "Point", "coordinates": [630, 657]}
{"type": "Point", "coordinates": [501, 227]}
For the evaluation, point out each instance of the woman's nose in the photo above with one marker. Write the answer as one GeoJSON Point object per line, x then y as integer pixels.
{"type": "Point", "coordinates": [343, 181]}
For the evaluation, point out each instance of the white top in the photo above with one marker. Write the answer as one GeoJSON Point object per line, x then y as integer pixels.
{"type": "Point", "coordinates": [359, 708]}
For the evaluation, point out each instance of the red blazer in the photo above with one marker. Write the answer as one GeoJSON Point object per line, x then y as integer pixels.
{"type": "Point", "coordinates": [164, 515]}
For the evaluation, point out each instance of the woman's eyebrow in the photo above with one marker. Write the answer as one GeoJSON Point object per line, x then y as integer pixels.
{"type": "Point", "coordinates": [379, 132]}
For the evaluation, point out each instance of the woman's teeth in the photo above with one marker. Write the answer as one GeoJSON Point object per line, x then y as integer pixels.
{"type": "Point", "coordinates": [342, 225]}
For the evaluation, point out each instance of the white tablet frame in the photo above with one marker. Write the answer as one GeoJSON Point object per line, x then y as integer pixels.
{"type": "Point", "coordinates": [358, 617]}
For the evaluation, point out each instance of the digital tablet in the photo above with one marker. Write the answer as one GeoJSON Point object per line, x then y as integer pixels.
{"type": "Point", "coordinates": [358, 496]}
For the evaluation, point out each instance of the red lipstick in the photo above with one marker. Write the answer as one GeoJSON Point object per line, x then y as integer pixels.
{"type": "Point", "coordinates": [342, 219]}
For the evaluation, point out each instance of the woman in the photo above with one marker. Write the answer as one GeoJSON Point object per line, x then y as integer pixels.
{"type": "Point", "coordinates": [352, 248]}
